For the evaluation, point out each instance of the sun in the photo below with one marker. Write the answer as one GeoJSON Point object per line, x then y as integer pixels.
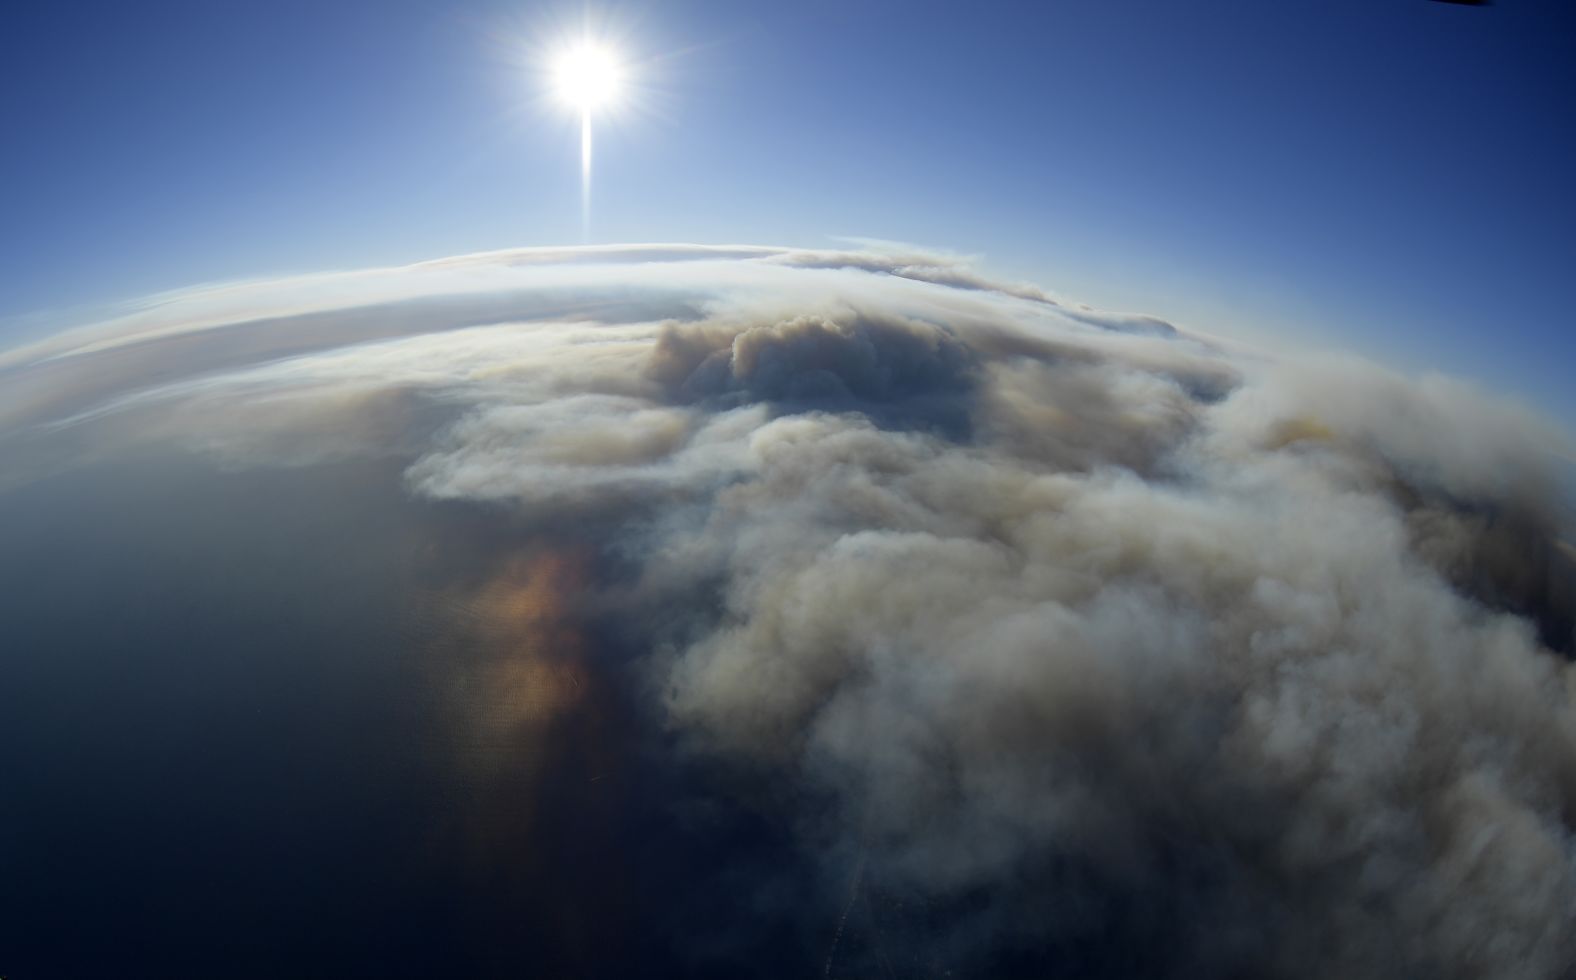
{"type": "Point", "coordinates": [587, 76]}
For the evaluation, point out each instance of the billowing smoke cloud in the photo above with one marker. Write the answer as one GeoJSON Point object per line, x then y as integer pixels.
{"type": "Point", "coordinates": [1057, 639]}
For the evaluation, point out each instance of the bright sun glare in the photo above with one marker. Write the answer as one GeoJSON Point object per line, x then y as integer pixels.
{"type": "Point", "coordinates": [587, 77]}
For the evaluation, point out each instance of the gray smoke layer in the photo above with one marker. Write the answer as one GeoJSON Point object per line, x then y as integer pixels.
{"type": "Point", "coordinates": [1064, 627]}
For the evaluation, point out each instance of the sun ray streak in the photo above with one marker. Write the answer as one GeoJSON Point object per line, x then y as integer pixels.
{"type": "Point", "coordinates": [585, 174]}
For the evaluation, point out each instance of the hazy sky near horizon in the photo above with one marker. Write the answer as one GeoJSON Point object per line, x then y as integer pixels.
{"type": "Point", "coordinates": [1392, 176]}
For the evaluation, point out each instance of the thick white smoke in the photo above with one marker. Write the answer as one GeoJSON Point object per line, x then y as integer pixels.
{"type": "Point", "coordinates": [1063, 622]}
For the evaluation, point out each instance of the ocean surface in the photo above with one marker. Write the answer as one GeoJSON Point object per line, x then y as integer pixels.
{"type": "Point", "coordinates": [291, 723]}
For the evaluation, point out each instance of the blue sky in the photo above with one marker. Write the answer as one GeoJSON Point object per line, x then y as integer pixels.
{"type": "Point", "coordinates": [1392, 176]}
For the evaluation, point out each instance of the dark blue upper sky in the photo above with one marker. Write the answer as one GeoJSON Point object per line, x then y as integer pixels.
{"type": "Point", "coordinates": [1394, 176]}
